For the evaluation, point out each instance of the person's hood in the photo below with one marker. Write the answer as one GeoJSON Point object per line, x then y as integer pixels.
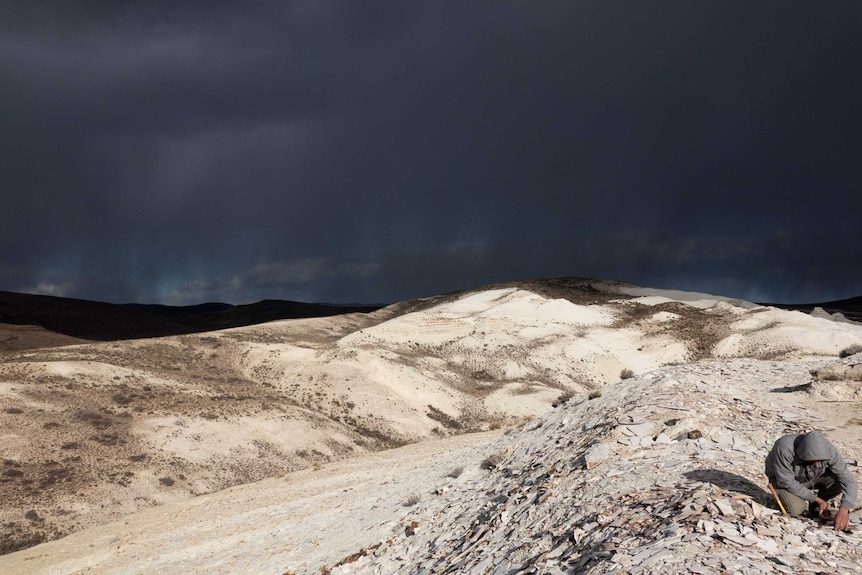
{"type": "Point", "coordinates": [813, 447]}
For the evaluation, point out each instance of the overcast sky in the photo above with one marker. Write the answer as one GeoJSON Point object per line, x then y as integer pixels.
{"type": "Point", "coordinates": [185, 152]}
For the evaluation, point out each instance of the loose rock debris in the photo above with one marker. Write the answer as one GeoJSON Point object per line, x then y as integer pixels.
{"type": "Point", "coordinates": [662, 474]}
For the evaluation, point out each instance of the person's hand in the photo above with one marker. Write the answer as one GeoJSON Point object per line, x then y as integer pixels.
{"type": "Point", "coordinates": [842, 519]}
{"type": "Point", "coordinates": [821, 506]}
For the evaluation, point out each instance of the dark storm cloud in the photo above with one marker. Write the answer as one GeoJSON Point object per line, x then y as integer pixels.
{"type": "Point", "coordinates": [341, 151]}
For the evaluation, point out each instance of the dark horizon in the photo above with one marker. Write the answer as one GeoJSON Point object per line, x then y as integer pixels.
{"type": "Point", "coordinates": [216, 305]}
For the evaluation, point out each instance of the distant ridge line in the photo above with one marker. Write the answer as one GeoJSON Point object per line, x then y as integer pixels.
{"type": "Point", "coordinates": [99, 321]}
{"type": "Point", "coordinates": [850, 308]}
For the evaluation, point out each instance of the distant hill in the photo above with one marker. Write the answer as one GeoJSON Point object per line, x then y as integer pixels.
{"type": "Point", "coordinates": [97, 321]}
{"type": "Point", "coordinates": [851, 308]}
{"type": "Point", "coordinates": [63, 321]}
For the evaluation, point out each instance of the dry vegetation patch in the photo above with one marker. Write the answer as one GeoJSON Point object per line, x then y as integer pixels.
{"type": "Point", "coordinates": [699, 329]}
{"type": "Point", "coordinates": [850, 350]}
{"type": "Point", "coordinates": [840, 372]}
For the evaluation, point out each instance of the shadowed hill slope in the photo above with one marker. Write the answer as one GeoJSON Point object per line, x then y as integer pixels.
{"type": "Point", "coordinates": [99, 321]}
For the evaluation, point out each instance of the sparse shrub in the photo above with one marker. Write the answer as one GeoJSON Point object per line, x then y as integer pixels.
{"type": "Point", "coordinates": [492, 461]}
{"type": "Point", "coordinates": [166, 481]}
{"type": "Point", "coordinates": [123, 399]}
{"type": "Point", "coordinates": [412, 500]}
{"type": "Point", "coordinates": [97, 420]}
{"type": "Point", "coordinates": [495, 425]}
{"type": "Point", "coordinates": [108, 439]}
{"type": "Point", "coordinates": [851, 350]}
{"type": "Point", "coordinates": [595, 394]}
{"type": "Point", "coordinates": [455, 473]}
{"type": "Point", "coordinates": [563, 398]}
{"type": "Point", "coordinates": [440, 416]}
{"type": "Point", "coordinates": [627, 374]}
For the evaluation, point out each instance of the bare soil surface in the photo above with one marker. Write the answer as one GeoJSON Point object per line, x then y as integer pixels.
{"type": "Point", "coordinates": [92, 433]}
{"type": "Point", "coordinates": [401, 510]}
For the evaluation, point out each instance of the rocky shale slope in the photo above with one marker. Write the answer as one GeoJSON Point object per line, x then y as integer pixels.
{"type": "Point", "coordinates": [663, 474]}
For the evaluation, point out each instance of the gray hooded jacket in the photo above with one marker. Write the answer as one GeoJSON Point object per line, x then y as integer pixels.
{"type": "Point", "coordinates": [786, 469]}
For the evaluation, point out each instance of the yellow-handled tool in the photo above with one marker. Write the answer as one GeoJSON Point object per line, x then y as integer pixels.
{"type": "Point", "coordinates": [778, 500]}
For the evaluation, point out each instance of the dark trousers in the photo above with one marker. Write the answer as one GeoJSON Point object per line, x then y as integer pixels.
{"type": "Point", "coordinates": [826, 487]}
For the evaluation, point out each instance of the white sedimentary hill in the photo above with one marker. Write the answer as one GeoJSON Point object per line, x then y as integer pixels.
{"type": "Point", "coordinates": [610, 484]}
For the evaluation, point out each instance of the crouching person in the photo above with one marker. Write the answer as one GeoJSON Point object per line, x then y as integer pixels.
{"type": "Point", "coordinates": [806, 471]}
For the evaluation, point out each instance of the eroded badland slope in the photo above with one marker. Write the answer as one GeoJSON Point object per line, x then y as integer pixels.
{"type": "Point", "coordinates": [660, 474]}
{"type": "Point", "coordinates": [92, 433]}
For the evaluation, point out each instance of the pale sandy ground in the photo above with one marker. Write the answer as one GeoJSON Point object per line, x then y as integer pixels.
{"type": "Point", "coordinates": [309, 518]}
{"type": "Point", "coordinates": [305, 520]}
{"type": "Point", "coordinates": [496, 353]}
